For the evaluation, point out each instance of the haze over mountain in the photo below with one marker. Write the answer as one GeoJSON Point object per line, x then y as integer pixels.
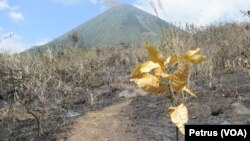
{"type": "Point", "coordinates": [124, 24]}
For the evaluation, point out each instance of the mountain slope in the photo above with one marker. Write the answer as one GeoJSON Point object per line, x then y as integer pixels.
{"type": "Point", "coordinates": [126, 24]}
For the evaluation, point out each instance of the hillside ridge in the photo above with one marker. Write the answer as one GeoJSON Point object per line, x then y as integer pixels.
{"type": "Point", "coordinates": [118, 25]}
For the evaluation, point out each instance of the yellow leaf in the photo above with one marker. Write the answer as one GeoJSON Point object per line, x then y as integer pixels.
{"type": "Point", "coordinates": [189, 91]}
{"type": "Point", "coordinates": [171, 60]}
{"type": "Point", "coordinates": [143, 79]}
{"type": "Point", "coordinates": [154, 55]}
{"type": "Point", "coordinates": [196, 59]}
{"type": "Point", "coordinates": [192, 52]}
{"type": "Point", "coordinates": [179, 116]}
{"type": "Point", "coordinates": [161, 89]}
{"type": "Point", "coordinates": [178, 85]}
{"type": "Point", "coordinates": [159, 72]}
{"type": "Point", "coordinates": [149, 82]}
{"type": "Point", "coordinates": [144, 67]}
{"type": "Point", "coordinates": [193, 56]}
{"type": "Point", "coordinates": [180, 78]}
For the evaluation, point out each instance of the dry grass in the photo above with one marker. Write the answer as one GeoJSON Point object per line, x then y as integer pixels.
{"type": "Point", "coordinates": [44, 86]}
{"type": "Point", "coordinates": [41, 88]}
{"type": "Point", "coordinates": [227, 47]}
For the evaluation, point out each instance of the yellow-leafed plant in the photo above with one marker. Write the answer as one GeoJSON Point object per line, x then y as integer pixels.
{"type": "Point", "coordinates": [167, 76]}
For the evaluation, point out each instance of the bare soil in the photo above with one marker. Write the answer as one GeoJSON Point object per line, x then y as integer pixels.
{"type": "Point", "coordinates": [140, 116]}
{"type": "Point", "coordinates": [143, 118]}
{"type": "Point", "coordinates": [109, 124]}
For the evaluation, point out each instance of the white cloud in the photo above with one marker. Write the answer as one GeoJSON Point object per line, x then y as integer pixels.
{"type": "Point", "coordinates": [4, 4]}
{"type": "Point", "coordinates": [12, 44]}
{"type": "Point", "coordinates": [199, 12]}
{"type": "Point", "coordinates": [76, 2]}
{"type": "Point", "coordinates": [106, 3]}
{"type": "Point", "coordinates": [16, 16]}
{"type": "Point", "coordinates": [93, 1]}
{"type": "Point", "coordinates": [68, 2]}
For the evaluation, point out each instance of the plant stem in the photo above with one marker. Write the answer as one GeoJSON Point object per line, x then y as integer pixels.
{"type": "Point", "coordinates": [177, 133]}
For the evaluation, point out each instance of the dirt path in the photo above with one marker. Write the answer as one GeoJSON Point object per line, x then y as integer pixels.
{"type": "Point", "coordinates": [109, 124]}
{"type": "Point", "coordinates": [144, 117]}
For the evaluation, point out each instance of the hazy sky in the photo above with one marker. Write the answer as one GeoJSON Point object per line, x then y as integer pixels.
{"type": "Point", "coordinates": [35, 22]}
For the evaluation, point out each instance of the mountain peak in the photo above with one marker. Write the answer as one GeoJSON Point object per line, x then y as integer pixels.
{"type": "Point", "coordinates": [125, 7]}
{"type": "Point", "coordinates": [123, 23]}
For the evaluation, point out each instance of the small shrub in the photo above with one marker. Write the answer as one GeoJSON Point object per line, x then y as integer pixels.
{"type": "Point", "coordinates": [169, 76]}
